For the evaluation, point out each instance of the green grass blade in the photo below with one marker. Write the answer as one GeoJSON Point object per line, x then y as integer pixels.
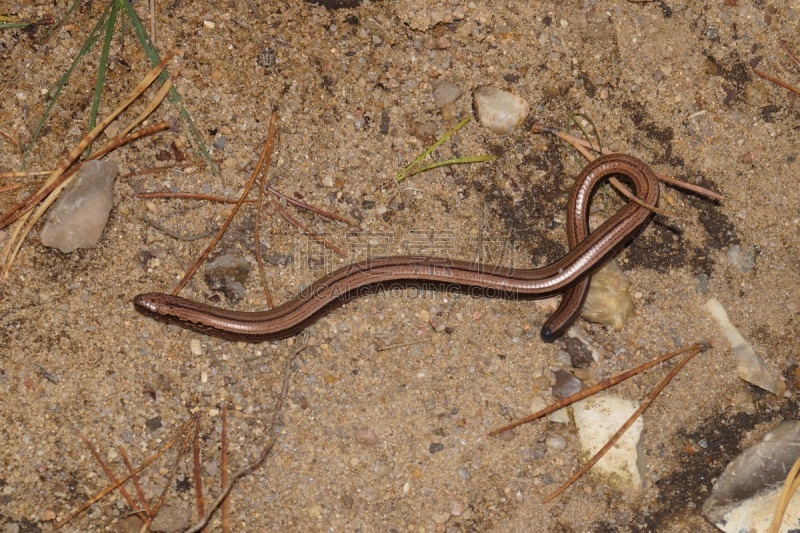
{"type": "Point", "coordinates": [11, 23]}
{"type": "Point", "coordinates": [54, 93]}
{"type": "Point", "coordinates": [571, 120]}
{"type": "Point", "coordinates": [456, 161]}
{"type": "Point", "coordinates": [101, 68]}
{"type": "Point", "coordinates": [403, 174]}
{"type": "Point", "coordinates": [174, 97]}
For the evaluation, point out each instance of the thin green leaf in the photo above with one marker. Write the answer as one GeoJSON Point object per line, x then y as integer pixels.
{"type": "Point", "coordinates": [54, 93]}
{"type": "Point", "coordinates": [571, 119]}
{"type": "Point", "coordinates": [403, 174]}
{"type": "Point", "coordinates": [174, 97]}
{"type": "Point", "coordinates": [457, 161]}
{"type": "Point", "coordinates": [101, 68]}
{"type": "Point", "coordinates": [24, 23]}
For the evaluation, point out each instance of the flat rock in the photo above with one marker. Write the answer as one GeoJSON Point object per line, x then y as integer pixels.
{"type": "Point", "coordinates": [744, 497]}
{"type": "Point", "coordinates": [78, 217]}
{"type": "Point", "coordinates": [597, 419]}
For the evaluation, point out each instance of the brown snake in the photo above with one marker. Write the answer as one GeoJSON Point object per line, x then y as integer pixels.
{"type": "Point", "coordinates": [569, 274]}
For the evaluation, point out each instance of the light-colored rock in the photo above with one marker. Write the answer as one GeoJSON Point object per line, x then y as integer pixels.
{"type": "Point", "coordinates": [609, 301]}
{"type": "Point", "coordinates": [749, 365]}
{"type": "Point", "coordinates": [744, 497]}
{"type": "Point", "coordinates": [499, 111]}
{"type": "Point", "coordinates": [446, 93]}
{"type": "Point", "coordinates": [78, 217]}
{"type": "Point", "coordinates": [597, 419]}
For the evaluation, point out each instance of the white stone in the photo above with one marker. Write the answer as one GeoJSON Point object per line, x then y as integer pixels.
{"type": "Point", "coordinates": [499, 111]}
{"type": "Point", "coordinates": [597, 419]}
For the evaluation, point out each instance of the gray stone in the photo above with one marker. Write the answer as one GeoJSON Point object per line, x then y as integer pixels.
{"type": "Point", "coordinates": [744, 496]}
{"type": "Point", "coordinates": [80, 214]}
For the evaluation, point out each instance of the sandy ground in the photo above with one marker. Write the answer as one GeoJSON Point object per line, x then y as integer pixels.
{"type": "Point", "coordinates": [395, 440]}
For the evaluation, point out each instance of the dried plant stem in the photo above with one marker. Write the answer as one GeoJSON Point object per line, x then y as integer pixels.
{"type": "Point", "coordinates": [576, 141]}
{"type": "Point", "coordinates": [111, 476]}
{"type": "Point", "coordinates": [181, 451]}
{"type": "Point", "coordinates": [47, 194]}
{"type": "Point", "coordinates": [257, 236]}
{"type": "Point", "coordinates": [103, 493]}
{"type": "Point", "coordinates": [272, 437]}
{"type": "Point", "coordinates": [118, 141]}
{"type": "Point", "coordinates": [777, 81]}
{"type": "Point", "coordinates": [302, 227]}
{"type": "Point", "coordinates": [785, 496]}
{"type": "Point", "coordinates": [156, 169]}
{"type": "Point", "coordinates": [12, 139]}
{"type": "Point", "coordinates": [789, 52]}
{"type": "Point", "coordinates": [264, 159]}
{"type": "Point", "coordinates": [308, 207]}
{"type": "Point", "coordinates": [135, 479]}
{"type": "Point", "coordinates": [594, 389]}
{"type": "Point", "coordinates": [694, 350]}
{"type": "Point", "coordinates": [189, 196]}
{"type": "Point", "coordinates": [11, 187]}
{"type": "Point", "coordinates": [52, 182]}
{"type": "Point", "coordinates": [6, 175]}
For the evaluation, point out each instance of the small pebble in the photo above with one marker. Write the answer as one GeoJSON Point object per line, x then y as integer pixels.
{"type": "Point", "coordinates": [566, 384]}
{"type": "Point", "coordinates": [757, 94]}
{"type": "Point", "coordinates": [514, 332]}
{"type": "Point", "coordinates": [463, 473]}
{"type": "Point", "coordinates": [440, 518]}
{"type": "Point", "coordinates": [446, 93]}
{"type": "Point", "coordinates": [457, 508]}
{"type": "Point", "coordinates": [436, 447]}
{"type": "Point", "coordinates": [557, 442]}
{"type": "Point", "coordinates": [220, 142]}
{"type": "Point", "coordinates": [499, 111]}
{"type": "Point", "coordinates": [609, 301]}
{"type": "Point", "coordinates": [228, 273]}
{"type": "Point", "coordinates": [582, 374]}
{"type": "Point", "coordinates": [195, 347]}
{"type": "Point", "coordinates": [537, 404]}
{"type": "Point", "coordinates": [701, 283]}
{"type": "Point", "coordinates": [579, 355]}
{"type": "Point", "coordinates": [314, 512]}
{"type": "Point", "coordinates": [366, 436]}
{"type": "Point", "coordinates": [742, 258]}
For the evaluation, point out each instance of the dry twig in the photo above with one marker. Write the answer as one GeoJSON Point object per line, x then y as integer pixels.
{"type": "Point", "coordinates": [577, 142]}
{"type": "Point", "coordinates": [263, 160]}
{"type": "Point", "coordinates": [692, 351]}
{"type": "Point", "coordinates": [585, 393]}
{"type": "Point", "coordinates": [271, 439]}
